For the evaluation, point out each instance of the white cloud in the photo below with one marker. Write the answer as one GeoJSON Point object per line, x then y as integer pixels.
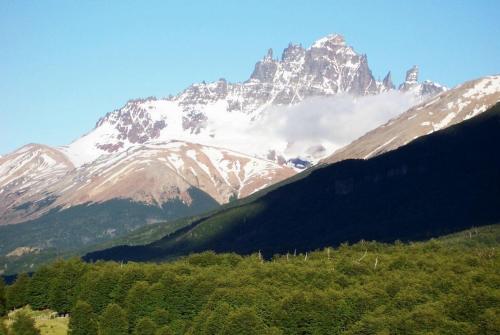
{"type": "Point", "coordinates": [332, 122]}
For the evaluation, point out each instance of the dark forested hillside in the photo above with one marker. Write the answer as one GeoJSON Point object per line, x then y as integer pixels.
{"type": "Point", "coordinates": [437, 184]}
{"type": "Point", "coordinates": [443, 286]}
{"type": "Point", "coordinates": [70, 230]}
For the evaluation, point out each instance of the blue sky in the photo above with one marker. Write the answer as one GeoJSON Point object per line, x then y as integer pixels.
{"type": "Point", "coordinates": [64, 64]}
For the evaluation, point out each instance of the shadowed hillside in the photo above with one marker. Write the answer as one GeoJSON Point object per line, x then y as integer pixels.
{"type": "Point", "coordinates": [437, 184]}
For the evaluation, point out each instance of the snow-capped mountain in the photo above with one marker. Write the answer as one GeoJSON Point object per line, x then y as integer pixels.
{"type": "Point", "coordinates": [448, 108]}
{"type": "Point", "coordinates": [26, 176]}
{"type": "Point", "coordinates": [36, 179]}
{"type": "Point", "coordinates": [208, 137]}
{"type": "Point", "coordinates": [226, 115]}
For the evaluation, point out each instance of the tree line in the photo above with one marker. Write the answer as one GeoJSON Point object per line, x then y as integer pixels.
{"type": "Point", "coordinates": [445, 286]}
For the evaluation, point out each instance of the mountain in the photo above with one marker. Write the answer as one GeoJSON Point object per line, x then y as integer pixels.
{"type": "Point", "coordinates": [207, 137]}
{"type": "Point", "coordinates": [26, 175]}
{"type": "Point", "coordinates": [150, 173]}
{"type": "Point", "coordinates": [411, 83]}
{"type": "Point", "coordinates": [58, 208]}
{"type": "Point", "coordinates": [448, 108]}
{"type": "Point", "coordinates": [62, 233]}
{"type": "Point", "coordinates": [65, 209]}
{"type": "Point", "coordinates": [225, 115]}
{"type": "Point", "coordinates": [154, 155]}
{"type": "Point", "coordinates": [438, 183]}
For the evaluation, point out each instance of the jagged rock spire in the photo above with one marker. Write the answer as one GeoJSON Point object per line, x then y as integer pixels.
{"type": "Point", "coordinates": [387, 82]}
{"type": "Point", "coordinates": [411, 79]}
{"type": "Point", "coordinates": [269, 55]}
{"type": "Point", "coordinates": [293, 53]}
{"type": "Point", "coordinates": [412, 75]}
{"type": "Point", "coordinates": [266, 68]}
{"type": "Point", "coordinates": [329, 66]}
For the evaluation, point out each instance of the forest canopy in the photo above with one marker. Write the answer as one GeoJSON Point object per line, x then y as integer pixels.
{"type": "Point", "coordinates": [449, 285]}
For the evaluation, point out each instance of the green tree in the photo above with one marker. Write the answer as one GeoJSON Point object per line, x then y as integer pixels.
{"type": "Point", "coordinates": [211, 320]}
{"type": "Point", "coordinates": [145, 326]}
{"type": "Point", "coordinates": [142, 300]}
{"type": "Point", "coordinates": [113, 321]}
{"type": "Point", "coordinates": [17, 293]}
{"type": "Point", "coordinates": [165, 330]}
{"type": "Point", "coordinates": [38, 294]}
{"type": "Point", "coordinates": [97, 287]}
{"type": "Point", "coordinates": [24, 325]}
{"type": "Point", "coordinates": [244, 321]}
{"type": "Point", "coordinates": [489, 322]}
{"type": "Point", "coordinates": [161, 316]}
{"type": "Point", "coordinates": [83, 320]}
{"type": "Point", "coordinates": [63, 289]}
{"type": "Point", "coordinates": [3, 302]}
{"type": "Point", "coordinates": [129, 276]}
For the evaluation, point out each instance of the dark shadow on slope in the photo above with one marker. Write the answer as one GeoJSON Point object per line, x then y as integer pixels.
{"type": "Point", "coordinates": [437, 184]}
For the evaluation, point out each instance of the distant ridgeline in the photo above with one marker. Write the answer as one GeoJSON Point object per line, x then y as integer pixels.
{"type": "Point", "coordinates": [437, 184]}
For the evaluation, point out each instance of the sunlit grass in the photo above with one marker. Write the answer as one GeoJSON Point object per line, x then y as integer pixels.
{"type": "Point", "coordinates": [47, 321]}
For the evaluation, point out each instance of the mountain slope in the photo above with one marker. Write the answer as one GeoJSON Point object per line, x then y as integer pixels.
{"type": "Point", "coordinates": [448, 108]}
{"type": "Point", "coordinates": [153, 173]}
{"type": "Point", "coordinates": [118, 193]}
{"type": "Point", "coordinates": [437, 184]}
{"type": "Point", "coordinates": [26, 176]}
{"type": "Point", "coordinates": [66, 232]}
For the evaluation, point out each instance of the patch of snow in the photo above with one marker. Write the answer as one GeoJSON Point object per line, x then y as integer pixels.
{"type": "Point", "coordinates": [444, 122]}
{"type": "Point", "coordinates": [380, 147]}
{"type": "Point", "coordinates": [475, 111]}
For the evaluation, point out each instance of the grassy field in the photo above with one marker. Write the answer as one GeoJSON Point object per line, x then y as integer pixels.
{"type": "Point", "coordinates": [46, 321]}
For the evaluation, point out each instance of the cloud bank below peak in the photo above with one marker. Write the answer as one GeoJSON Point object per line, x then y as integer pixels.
{"type": "Point", "coordinates": [329, 122]}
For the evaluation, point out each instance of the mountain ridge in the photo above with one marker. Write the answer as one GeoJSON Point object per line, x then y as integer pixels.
{"type": "Point", "coordinates": [445, 109]}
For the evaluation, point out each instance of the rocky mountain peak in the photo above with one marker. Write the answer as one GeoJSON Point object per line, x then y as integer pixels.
{"type": "Point", "coordinates": [387, 82]}
{"type": "Point", "coordinates": [411, 79]}
{"type": "Point", "coordinates": [265, 69]}
{"type": "Point", "coordinates": [412, 74]}
{"type": "Point", "coordinates": [329, 67]}
{"type": "Point", "coordinates": [269, 55]}
{"type": "Point", "coordinates": [332, 40]}
{"type": "Point", "coordinates": [426, 89]}
{"type": "Point", "coordinates": [293, 53]}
